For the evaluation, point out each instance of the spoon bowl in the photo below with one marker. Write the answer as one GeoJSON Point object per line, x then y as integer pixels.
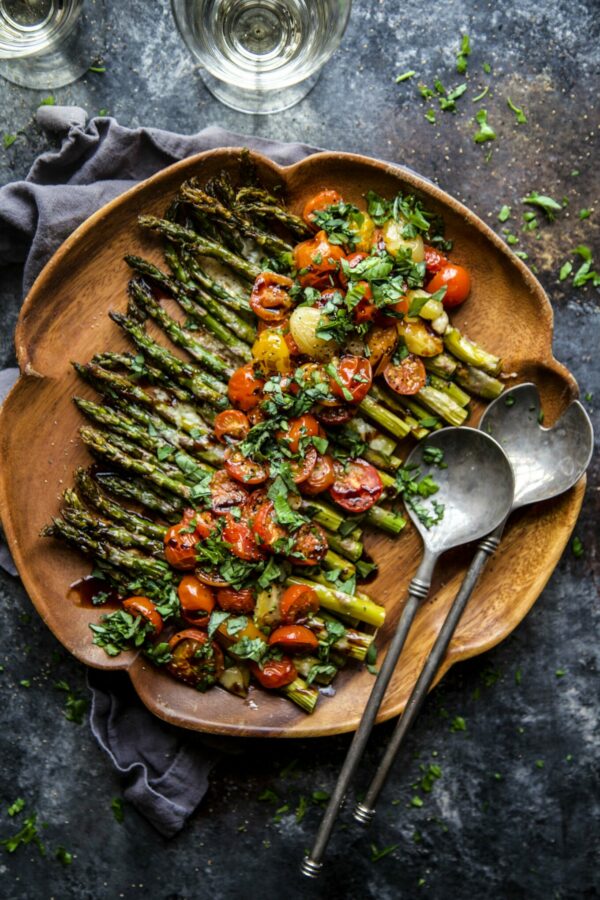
{"type": "Point", "coordinates": [545, 461]}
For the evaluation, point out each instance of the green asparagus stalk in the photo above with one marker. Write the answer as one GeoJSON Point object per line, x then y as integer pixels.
{"type": "Point", "coordinates": [360, 608]}
{"type": "Point", "coordinates": [263, 205]}
{"type": "Point", "coordinates": [202, 246]}
{"type": "Point", "coordinates": [443, 365]}
{"type": "Point", "coordinates": [478, 382]}
{"type": "Point", "coordinates": [451, 389]}
{"type": "Point", "coordinates": [105, 531]}
{"type": "Point", "coordinates": [384, 417]}
{"type": "Point", "coordinates": [469, 352]}
{"type": "Point", "coordinates": [179, 336]}
{"type": "Point", "coordinates": [399, 403]}
{"type": "Point", "coordinates": [137, 368]}
{"type": "Point", "coordinates": [231, 300]}
{"type": "Point", "coordinates": [442, 405]}
{"type": "Point", "coordinates": [354, 644]}
{"type": "Point", "coordinates": [138, 491]}
{"type": "Point", "coordinates": [305, 664]}
{"type": "Point", "coordinates": [96, 498]}
{"type": "Point", "coordinates": [349, 547]}
{"type": "Point", "coordinates": [333, 560]}
{"type": "Point", "coordinates": [302, 694]}
{"type": "Point", "coordinates": [385, 519]}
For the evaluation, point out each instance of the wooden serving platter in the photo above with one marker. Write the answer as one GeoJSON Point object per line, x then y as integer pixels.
{"type": "Point", "coordinates": [65, 318]}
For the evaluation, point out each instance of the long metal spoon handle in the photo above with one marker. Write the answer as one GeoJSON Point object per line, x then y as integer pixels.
{"type": "Point", "coordinates": [418, 590]}
{"type": "Point", "coordinates": [365, 810]}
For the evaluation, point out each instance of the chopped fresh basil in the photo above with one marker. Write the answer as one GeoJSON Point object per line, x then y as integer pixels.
{"type": "Point", "coordinates": [485, 131]}
{"type": "Point", "coordinates": [520, 116]}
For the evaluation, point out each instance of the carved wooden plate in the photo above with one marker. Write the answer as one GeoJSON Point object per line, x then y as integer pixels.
{"type": "Point", "coordinates": [65, 318]}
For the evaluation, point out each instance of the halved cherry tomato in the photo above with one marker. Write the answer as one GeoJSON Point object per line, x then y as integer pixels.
{"type": "Point", "coordinates": [408, 377]}
{"type": "Point", "coordinates": [245, 388]}
{"type": "Point", "coordinates": [291, 344]}
{"type": "Point", "coordinates": [205, 524]}
{"type": "Point", "coordinates": [310, 543]}
{"type": "Point", "coordinates": [270, 299]}
{"type": "Point", "coordinates": [303, 427]}
{"type": "Point", "coordinates": [253, 504]}
{"type": "Point", "coordinates": [457, 282]}
{"type": "Point", "coordinates": [243, 469]}
{"type": "Point", "coordinates": [294, 639]}
{"type": "Point", "coordinates": [434, 260]}
{"type": "Point", "coordinates": [321, 478]}
{"type": "Point", "coordinates": [297, 602]}
{"type": "Point", "coordinates": [231, 425]}
{"type": "Point", "coordinates": [195, 659]}
{"type": "Point", "coordinates": [225, 493]}
{"type": "Point", "coordinates": [241, 603]}
{"type": "Point", "coordinates": [318, 203]}
{"type": "Point", "coordinates": [316, 260]}
{"type": "Point", "coordinates": [180, 545]}
{"type": "Point", "coordinates": [356, 377]}
{"type": "Point", "coordinates": [276, 673]}
{"type": "Point", "coordinates": [239, 535]}
{"type": "Point", "coordinates": [335, 415]}
{"type": "Point", "coordinates": [211, 577]}
{"type": "Point", "coordinates": [143, 606]}
{"type": "Point", "coordinates": [365, 310]}
{"type": "Point", "coordinates": [301, 468]}
{"type": "Point", "coordinates": [382, 316]}
{"type": "Point", "coordinates": [266, 528]}
{"type": "Point", "coordinates": [197, 601]}
{"type": "Point", "coordinates": [255, 416]}
{"type": "Point", "coordinates": [357, 486]}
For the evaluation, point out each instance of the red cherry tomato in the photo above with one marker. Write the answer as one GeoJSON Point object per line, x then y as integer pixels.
{"type": "Point", "coordinates": [335, 415]}
{"type": "Point", "coordinates": [301, 468]}
{"type": "Point", "coordinates": [192, 661]}
{"type": "Point", "coordinates": [231, 425]}
{"type": "Point", "coordinates": [276, 673]}
{"type": "Point", "coordinates": [205, 524]}
{"type": "Point", "coordinates": [408, 377]}
{"type": "Point", "coordinates": [211, 577]}
{"type": "Point", "coordinates": [197, 601]}
{"type": "Point", "coordinates": [266, 528]}
{"type": "Point", "coordinates": [241, 603]}
{"type": "Point", "coordinates": [253, 504]}
{"type": "Point", "coordinates": [356, 377]}
{"type": "Point", "coordinates": [303, 427]}
{"type": "Point", "coordinates": [180, 546]}
{"type": "Point", "coordinates": [225, 493]}
{"type": "Point", "coordinates": [294, 639]}
{"type": "Point", "coordinates": [245, 389]}
{"type": "Point", "coordinates": [434, 260]}
{"type": "Point", "coordinates": [357, 486]}
{"type": "Point", "coordinates": [297, 602]}
{"type": "Point", "coordinates": [240, 536]}
{"type": "Point", "coordinates": [270, 299]}
{"type": "Point", "coordinates": [318, 203]}
{"type": "Point", "coordinates": [243, 469]}
{"type": "Point", "coordinates": [310, 545]}
{"type": "Point", "coordinates": [321, 478]}
{"type": "Point", "coordinates": [457, 282]}
{"type": "Point", "coordinates": [144, 607]}
{"type": "Point", "coordinates": [317, 261]}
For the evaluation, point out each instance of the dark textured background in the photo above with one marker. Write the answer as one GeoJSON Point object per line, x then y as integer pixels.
{"type": "Point", "coordinates": [515, 813]}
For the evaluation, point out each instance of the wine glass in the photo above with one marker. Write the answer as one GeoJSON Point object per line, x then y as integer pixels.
{"type": "Point", "coordinates": [261, 56]}
{"type": "Point", "coordinates": [49, 43]}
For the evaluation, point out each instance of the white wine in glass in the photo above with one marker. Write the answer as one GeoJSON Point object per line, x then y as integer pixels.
{"type": "Point", "coordinates": [261, 56]}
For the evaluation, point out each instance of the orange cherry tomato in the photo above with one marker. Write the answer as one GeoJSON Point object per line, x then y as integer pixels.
{"type": "Point", "coordinates": [245, 388]}
{"type": "Point", "coordinates": [240, 536]}
{"type": "Point", "coordinates": [317, 261]}
{"type": "Point", "coordinates": [408, 377]}
{"type": "Point", "coordinates": [357, 486]}
{"type": "Point", "coordinates": [266, 528]}
{"type": "Point", "coordinates": [356, 377]}
{"type": "Point", "coordinates": [321, 478]}
{"type": "Point", "coordinates": [303, 427]}
{"type": "Point", "coordinates": [211, 577]}
{"type": "Point", "coordinates": [434, 260]}
{"type": "Point", "coordinates": [310, 545]}
{"type": "Point", "coordinates": [255, 416]}
{"type": "Point", "coordinates": [457, 282]}
{"type": "Point", "coordinates": [244, 469]}
{"type": "Point", "coordinates": [241, 603]}
{"type": "Point", "coordinates": [318, 203]}
{"type": "Point", "coordinates": [192, 661]}
{"type": "Point", "coordinates": [231, 425]}
{"type": "Point", "coordinates": [144, 607]}
{"type": "Point", "coordinates": [180, 545]}
{"type": "Point", "coordinates": [225, 493]}
{"type": "Point", "coordinates": [270, 299]}
{"type": "Point", "coordinates": [387, 321]}
{"type": "Point", "coordinates": [196, 599]}
{"type": "Point", "coordinates": [353, 259]}
{"type": "Point", "coordinates": [297, 602]}
{"type": "Point", "coordinates": [301, 468]}
{"type": "Point", "coordinates": [294, 639]}
{"type": "Point", "coordinates": [276, 673]}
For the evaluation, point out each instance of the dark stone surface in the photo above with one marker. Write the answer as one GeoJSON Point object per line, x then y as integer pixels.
{"type": "Point", "coordinates": [498, 823]}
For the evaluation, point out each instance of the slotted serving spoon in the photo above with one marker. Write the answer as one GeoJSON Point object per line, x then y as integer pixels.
{"type": "Point", "coordinates": [472, 458]}
{"type": "Point", "coordinates": [546, 462]}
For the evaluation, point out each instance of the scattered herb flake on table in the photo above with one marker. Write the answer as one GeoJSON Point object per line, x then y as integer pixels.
{"type": "Point", "coordinates": [577, 547]}
{"type": "Point", "coordinates": [485, 132]}
{"type": "Point", "coordinates": [548, 204]}
{"type": "Point", "coordinates": [519, 114]}
{"type": "Point", "coordinates": [405, 76]}
{"type": "Point", "coordinates": [379, 854]}
{"type": "Point", "coordinates": [464, 52]}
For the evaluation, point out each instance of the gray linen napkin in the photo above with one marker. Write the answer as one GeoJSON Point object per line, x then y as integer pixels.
{"type": "Point", "coordinates": [166, 768]}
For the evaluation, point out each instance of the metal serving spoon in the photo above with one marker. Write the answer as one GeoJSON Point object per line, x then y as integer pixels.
{"type": "Point", "coordinates": [472, 459]}
{"type": "Point", "coordinates": [546, 462]}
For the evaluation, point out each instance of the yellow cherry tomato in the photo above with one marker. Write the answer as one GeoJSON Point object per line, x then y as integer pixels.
{"type": "Point", "coordinates": [364, 232]}
{"type": "Point", "coordinates": [394, 241]}
{"type": "Point", "coordinates": [271, 352]}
